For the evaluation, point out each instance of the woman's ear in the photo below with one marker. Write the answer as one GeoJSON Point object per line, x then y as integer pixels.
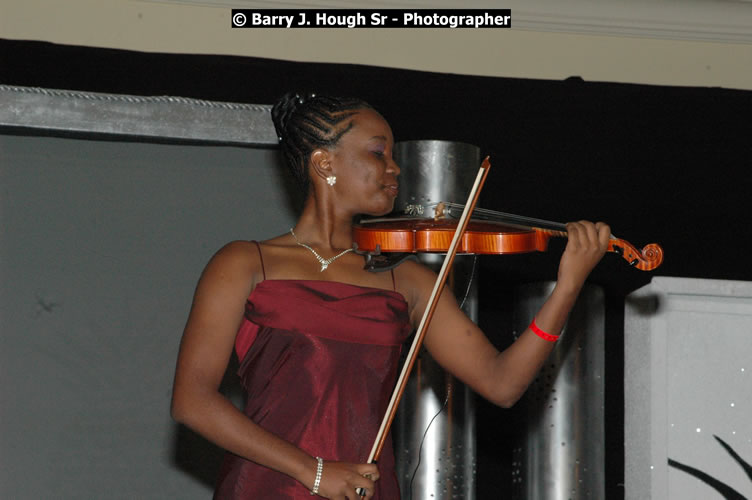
{"type": "Point", "coordinates": [321, 163]}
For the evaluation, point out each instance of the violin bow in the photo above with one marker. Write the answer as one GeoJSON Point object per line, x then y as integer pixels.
{"type": "Point", "coordinates": [433, 301]}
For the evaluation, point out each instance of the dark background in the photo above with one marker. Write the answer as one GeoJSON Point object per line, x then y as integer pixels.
{"type": "Point", "coordinates": [659, 164]}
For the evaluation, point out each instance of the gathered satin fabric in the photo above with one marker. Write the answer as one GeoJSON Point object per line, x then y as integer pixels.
{"type": "Point", "coordinates": [319, 360]}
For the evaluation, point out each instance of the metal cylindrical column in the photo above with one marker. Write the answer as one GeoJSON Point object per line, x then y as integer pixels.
{"type": "Point", "coordinates": [562, 457]}
{"type": "Point", "coordinates": [444, 466]}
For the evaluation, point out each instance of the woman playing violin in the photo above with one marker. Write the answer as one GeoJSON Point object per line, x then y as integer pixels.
{"type": "Point", "coordinates": [318, 337]}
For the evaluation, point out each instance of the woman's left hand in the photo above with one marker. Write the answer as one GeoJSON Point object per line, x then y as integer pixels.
{"type": "Point", "coordinates": [587, 242]}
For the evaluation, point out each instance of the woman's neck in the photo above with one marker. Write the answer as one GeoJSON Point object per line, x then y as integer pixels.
{"type": "Point", "coordinates": [322, 225]}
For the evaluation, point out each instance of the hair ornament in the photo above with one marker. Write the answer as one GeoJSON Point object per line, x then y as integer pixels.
{"type": "Point", "coordinates": [304, 121]}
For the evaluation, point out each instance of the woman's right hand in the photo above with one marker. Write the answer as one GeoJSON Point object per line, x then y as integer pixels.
{"type": "Point", "coordinates": [341, 480]}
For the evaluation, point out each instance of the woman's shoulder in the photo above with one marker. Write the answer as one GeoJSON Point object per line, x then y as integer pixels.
{"type": "Point", "coordinates": [246, 257]}
{"type": "Point", "coordinates": [238, 251]}
{"type": "Point", "coordinates": [415, 271]}
{"type": "Point", "coordinates": [236, 260]}
{"type": "Point", "coordinates": [247, 251]}
{"type": "Point", "coordinates": [415, 279]}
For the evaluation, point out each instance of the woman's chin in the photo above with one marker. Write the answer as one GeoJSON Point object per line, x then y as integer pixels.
{"type": "Point", "coordinates": [379, 210]}
{"type": "Point", "coordinates": [385, 210]}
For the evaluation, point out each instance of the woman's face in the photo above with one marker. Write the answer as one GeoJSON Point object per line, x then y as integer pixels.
{"type": "Point", "coordinates": [362, 161]}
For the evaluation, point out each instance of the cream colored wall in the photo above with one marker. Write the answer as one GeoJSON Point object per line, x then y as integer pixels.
{"type": "Point", "coordinates": [524, 53]}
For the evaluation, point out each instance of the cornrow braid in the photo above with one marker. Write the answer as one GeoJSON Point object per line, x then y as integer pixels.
{"type": "Point", "coordinates": [307, 122]}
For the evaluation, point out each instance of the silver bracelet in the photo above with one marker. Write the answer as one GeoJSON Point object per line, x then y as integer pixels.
{"type": "Point", "coordinates": [319, 470]}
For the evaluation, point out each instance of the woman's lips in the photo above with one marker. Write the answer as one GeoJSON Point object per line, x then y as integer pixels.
{"type": "Point", "coordinates": [392, 189]}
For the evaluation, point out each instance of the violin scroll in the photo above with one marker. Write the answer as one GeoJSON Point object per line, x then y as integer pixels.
{"type": "Point", "coordinates": [647, 259]}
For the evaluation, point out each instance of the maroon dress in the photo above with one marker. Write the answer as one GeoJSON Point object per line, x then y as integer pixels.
{"type": "Point", "coordinates": [318, 362]}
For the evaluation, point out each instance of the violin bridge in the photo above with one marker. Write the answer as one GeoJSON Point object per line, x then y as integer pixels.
{"type": "Point", "coordinates": [441, 210]}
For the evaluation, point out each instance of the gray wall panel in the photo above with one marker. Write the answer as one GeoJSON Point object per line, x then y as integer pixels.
{"type": "Point", "coordinates": [101, 245]}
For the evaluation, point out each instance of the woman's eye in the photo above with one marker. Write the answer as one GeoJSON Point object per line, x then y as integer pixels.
{"type": "Point", "coordinates": [378, 153]}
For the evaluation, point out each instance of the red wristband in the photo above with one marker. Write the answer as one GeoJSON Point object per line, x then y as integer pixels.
{"type": "Point", "coordinates": [541, 333]}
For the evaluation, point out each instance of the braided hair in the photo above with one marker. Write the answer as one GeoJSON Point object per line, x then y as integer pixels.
{"type": "Point", "coordinates": [308, 122]}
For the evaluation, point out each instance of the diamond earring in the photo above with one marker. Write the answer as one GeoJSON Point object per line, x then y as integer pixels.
{"type": "Point", "coordinates": [331, 180]}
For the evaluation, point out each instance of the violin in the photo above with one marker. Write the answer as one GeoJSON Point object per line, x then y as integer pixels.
{"type": "Point", "coordinates": [488, 232]}
{"type": "Point", "coordinates": [497, 234]}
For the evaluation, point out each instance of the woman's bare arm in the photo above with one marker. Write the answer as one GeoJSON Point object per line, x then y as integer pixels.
{"type": "Point", "coordinates": [461, 347]}
{"type": "Point", "coordinates": [205, 349]}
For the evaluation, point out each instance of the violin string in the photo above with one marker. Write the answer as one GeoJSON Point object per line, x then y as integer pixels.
{"type": "Point", "coordinates": [507, 217]}
{"type": "Point", "coordinates": [483, 214]}
{"type": "Point", "coordinates": [486, 214]}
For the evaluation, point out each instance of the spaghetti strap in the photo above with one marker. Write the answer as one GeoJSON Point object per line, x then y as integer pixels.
{"type": "Point", "coordinates": [394, 284]}
{"type": "Point", "coordinates": [261, 256]}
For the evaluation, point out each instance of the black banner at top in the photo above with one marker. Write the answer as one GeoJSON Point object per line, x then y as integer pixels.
{"type": "Point", "coordinates": [369, 18]}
